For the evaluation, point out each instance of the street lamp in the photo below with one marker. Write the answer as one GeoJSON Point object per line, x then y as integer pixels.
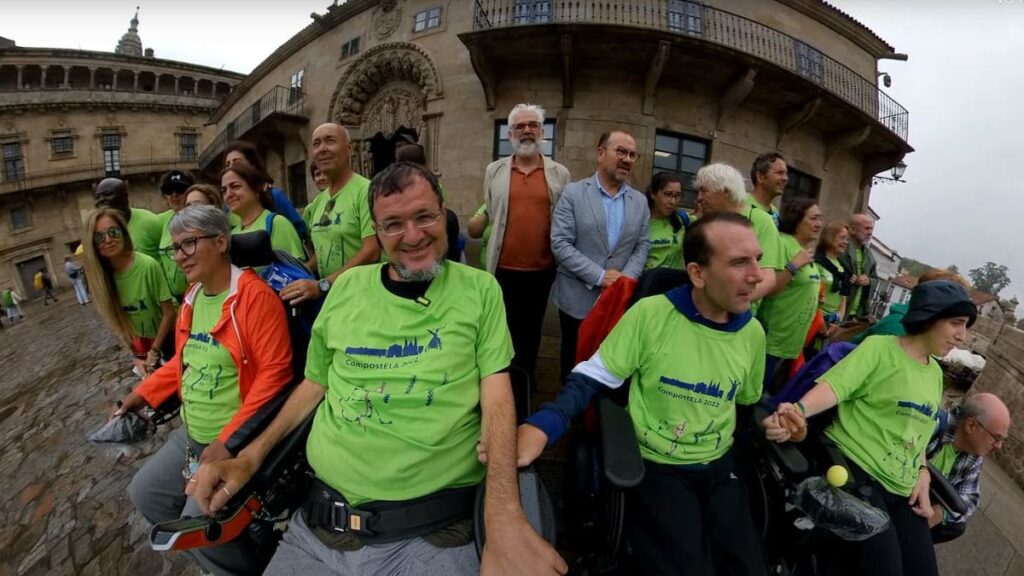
{"type": "Point", "coordinates": [897, 173]}
{"type": "Point", "coordinates": [886, 79]}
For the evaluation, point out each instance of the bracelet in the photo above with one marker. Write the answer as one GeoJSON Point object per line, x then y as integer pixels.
{"type": "Point", "coordinates": [791, 268]}
{"type": "Point", "coordinates": [803, 409]}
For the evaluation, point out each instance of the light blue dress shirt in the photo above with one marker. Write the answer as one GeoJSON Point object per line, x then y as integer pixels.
{"type": "Point", "coordinates": [614, 212]}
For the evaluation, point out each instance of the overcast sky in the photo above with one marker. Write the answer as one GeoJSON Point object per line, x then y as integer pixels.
{"type": "Point", "coordinates": [961, 203]}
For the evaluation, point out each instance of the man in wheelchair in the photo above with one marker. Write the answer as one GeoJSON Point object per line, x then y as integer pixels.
{"type": "Point", "coordinates": [693, 354]}
{"type": "Point", "coordinates": [887, 393]}
{"type": "Point", "coordinates": [406, 371]}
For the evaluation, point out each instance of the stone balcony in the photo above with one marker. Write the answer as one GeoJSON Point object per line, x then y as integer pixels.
{"type": "Point", "coordinates": [78, 98]}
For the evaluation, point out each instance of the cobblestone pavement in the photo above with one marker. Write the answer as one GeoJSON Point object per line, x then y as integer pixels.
{"type": "Point", "coordinates": [64, 507]}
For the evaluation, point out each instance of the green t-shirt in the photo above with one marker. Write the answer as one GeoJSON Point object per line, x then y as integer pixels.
{"type": "Point", "coordinates": [338, 224]}
{"type": "Point", "coordinates": [145, 229]}
{"type": "Point", "coordinates": [887, 409]}
{"type": "Point", "coordinates": [7, 298]}
{"type": "Point", "coordinates": [944, 459]}
{"type": "Point", "coordinates": [401, 416]}
{"type": "Point", "coordinates": [282, 235]}
{"type": "Point", "coordinates": [687, 379]}
{"type": "Point", "coordinates": [787, 315]}
{"type": "Point", "coordinates": [209, 378]}
{"type": "Point", "coordinates": [176, 280]}
{"type": "Point", "coordinates": [832, 298]}
{"type": "Point", "coordinates": [768, 237]}
{"type": "Point", "coordinates": [666, 245]}
{"type": "Point", "coordinates": [858, 269]}
{"type": "Point", "coordinates": [141, 288]}
{"type": "Point", "coordinates": [485, 238]}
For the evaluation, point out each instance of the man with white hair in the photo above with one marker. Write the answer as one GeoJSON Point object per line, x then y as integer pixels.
{"type": "Point", "coordinates": [520, 193]}
{"type": "Point", "coordinates": [720, 188]}
{"type": "Point", "coordinates": [968, 433]}
{"type": "Point", "coordinates": [860, 260]}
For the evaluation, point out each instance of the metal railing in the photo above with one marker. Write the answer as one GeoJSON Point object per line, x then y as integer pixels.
{"type": "Point", "coordinates": [696, 20]}
{"type": "Point", "coordinates": [279, 100]}
{"type": "Point", "coordinates": [93, 171]}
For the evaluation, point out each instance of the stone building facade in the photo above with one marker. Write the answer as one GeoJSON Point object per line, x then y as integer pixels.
{"type": "Point", "coordinates": [68, 118]}
{"type": "Point", "coordinates": [722, 80]}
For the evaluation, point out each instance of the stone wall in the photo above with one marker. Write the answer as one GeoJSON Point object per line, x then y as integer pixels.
{"type": "Point", "coordinates": [1004, 377]}
{"type": "Point", "coordinates": [981, 336]}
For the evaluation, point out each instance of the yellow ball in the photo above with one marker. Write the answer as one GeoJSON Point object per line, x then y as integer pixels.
{"type": "Point", "coordinates": [837, 476]}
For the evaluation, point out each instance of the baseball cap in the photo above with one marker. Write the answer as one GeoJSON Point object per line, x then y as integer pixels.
{"type": "Point", "coordinates": [175, 181]}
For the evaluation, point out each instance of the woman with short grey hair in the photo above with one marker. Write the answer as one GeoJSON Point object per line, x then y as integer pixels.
{"type": "Point", "coordinates": [233, 356]}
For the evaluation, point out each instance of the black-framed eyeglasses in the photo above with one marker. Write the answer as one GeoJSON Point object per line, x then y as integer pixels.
{"type": "Point", "coordinates": [524, 125]}
{"type": "Point", "coordinates": [621, 153]}
{"type": "Point", "coordinates": [325, 218]}
{"type": "Point", "coordinates": [114, 233]}
{"type": "Point", "coordinates": [188, 246]}
{"type": "Point", "coordinates": [996, 437]}
{"type": "Point", "coordinates": [396, 227]}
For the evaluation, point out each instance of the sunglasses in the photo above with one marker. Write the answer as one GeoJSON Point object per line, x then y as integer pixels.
{"type": "Point", "coordinates": [114, 233]}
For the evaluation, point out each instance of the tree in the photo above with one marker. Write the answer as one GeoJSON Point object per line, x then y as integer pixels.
{"type": "Point", "coordinates": [990, 278]}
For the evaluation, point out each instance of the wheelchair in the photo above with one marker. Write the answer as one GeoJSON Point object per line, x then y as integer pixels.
{"type": "Point", "coordinates": [606, 462]}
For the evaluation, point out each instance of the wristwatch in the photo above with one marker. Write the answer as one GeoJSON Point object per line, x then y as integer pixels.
{"type": "Point", "coordinates": [324, 285]}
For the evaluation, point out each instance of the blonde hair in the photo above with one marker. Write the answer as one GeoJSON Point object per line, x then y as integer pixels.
{"type": "Point", "coordinates": [829, 233]}
{"type": "Point", "coordinates": [210, 191]}
{"type": "Point", "coordinates": [940, 274]}
{"type": "Point", "coordinates": [100, 275]}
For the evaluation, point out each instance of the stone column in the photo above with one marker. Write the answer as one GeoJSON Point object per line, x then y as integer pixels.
{"type": "Point", "coordinates": [67, 77]}
{"type": "Point", "coordinates": [113, 79]}
{"type": "Point", "coordinates": [176, 80]}
{"type": "Point", "coordinates": [135, 81]}
{"type": "Point", "coordinates": [156, 83]}
{"type": "Point", "coordinates": [92, 78]}
{"type": "Point", "coordinates": [42, 77]}
{"type": "Point", "coordinates": [195, 86]}
{"type": "Point", "coordinates": [21, 86]}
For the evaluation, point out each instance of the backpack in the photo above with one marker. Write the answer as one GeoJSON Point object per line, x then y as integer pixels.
{"type": "Point", "coordinates": [808, 374]}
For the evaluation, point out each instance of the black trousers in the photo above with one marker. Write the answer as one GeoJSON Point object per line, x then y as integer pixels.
{"type": "Point", "coordinates": [693, 521]}
{"type": "Point", "coordinates": [570, 336]}
{"type": "Point", "coordinates": [526, 299]}
{"type": "Point", "coordinates": [947, 532]}
{"type": "Point", "coordinates": [904, 549]}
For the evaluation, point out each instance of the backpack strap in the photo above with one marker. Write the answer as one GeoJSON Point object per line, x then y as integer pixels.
{"type": "Point", "coordinates": [269, 224]}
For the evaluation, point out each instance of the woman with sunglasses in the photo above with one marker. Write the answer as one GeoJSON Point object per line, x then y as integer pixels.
{"type": "Point", "coordinates": [887, 393]}
{"type": "Point", "coordinates": [173, 185]}
{"type": "Point", "coordinates": [233, 356]}
{"type": "Point", "coordinates": [667, 226]}
{"type": "Point", "coordinates": [129, 289]}
{"type": "Point", "coordinates": [246, 195]}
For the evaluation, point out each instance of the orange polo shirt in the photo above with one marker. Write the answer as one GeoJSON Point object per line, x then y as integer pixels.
{"type": "Point", "coordinates": [527, 242]}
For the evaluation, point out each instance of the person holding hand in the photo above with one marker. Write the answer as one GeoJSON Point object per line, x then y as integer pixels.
{"type": "Point", "coordinates": [888, 392]}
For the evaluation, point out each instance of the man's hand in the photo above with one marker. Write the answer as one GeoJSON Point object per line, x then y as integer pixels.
{"type": "Point", "coordinates": [861, 280]}
{"type": "Point", "coordinates": [530, 442]}
{"type": "Point", "coordinates": [213, 452]}
{"type": "Point", "coordinates": [938, 515]}
{"type": "Point", "coordinates": [786, 424]}
{"type": "Point", "coordinates": [919, 500]}
{"type": "Point", "coordinates": [515, 548]}
{"type": "Point", "coordinates": [610, 276]}
{"type": "Point", "coordinates": [215, 483]}
{"type": "Point", "coordinates": [142, 367]}
{"type": "Point", "coordinates": [130, 403]}
{"type": "Point", "coordinates": [300, 291]}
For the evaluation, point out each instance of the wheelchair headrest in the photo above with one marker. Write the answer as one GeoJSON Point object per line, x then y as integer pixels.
{"type": "Point", "coordinates": [251, 249]}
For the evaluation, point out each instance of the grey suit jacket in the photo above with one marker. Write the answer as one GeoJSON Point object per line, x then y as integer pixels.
{"type": "Point", "coordinates": [579, 241]}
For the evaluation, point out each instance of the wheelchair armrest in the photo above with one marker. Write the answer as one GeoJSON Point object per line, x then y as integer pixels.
{"type": "Point", "coordinates": [785, 455]}
{"type": "Point", "coordinates": [283, 454]}
{"type": "Point", "coordinates": [620, 452]}
{"type": "Point", "coordinates": [943, 492]}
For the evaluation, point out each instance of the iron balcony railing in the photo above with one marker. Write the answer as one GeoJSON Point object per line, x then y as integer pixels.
{"type": "Point", "coordinates": [711, 25]}
{"type": "Point", "coordinates": [94, 171]}
{"type": "Point", "coordinates": [279, 100]}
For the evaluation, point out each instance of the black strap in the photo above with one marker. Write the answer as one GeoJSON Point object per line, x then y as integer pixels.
{"type": "Point", "coordinates": [387, 521]}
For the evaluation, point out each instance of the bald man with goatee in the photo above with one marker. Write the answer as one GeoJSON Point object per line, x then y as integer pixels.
{"type": "Point", "coordinates": [338, 219]}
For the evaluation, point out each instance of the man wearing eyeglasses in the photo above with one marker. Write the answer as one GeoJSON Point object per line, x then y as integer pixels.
{"type": "Point", "coordinates": [144, 227]}
{"type": "Point", "coordinates": [406, 371]}
{"type": "Point", "coordinates": [338, 219]}
{"type": "Point", "coordinates": [967, 434]}
{"type": "Point", "coordinates": [599, 233]}
{"type": "Point", "coordinates": [520, 193]}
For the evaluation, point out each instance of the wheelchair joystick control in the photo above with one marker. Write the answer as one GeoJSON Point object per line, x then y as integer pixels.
{"type": "Point", "coordinates": [213, 532]}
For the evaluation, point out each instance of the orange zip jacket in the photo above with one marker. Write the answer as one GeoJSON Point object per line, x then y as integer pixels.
{"type": "Point", "coordinates": [254, 330]}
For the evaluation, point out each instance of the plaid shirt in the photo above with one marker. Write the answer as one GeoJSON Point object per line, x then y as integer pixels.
{"type": "Point", "coordinates": [965, 476]}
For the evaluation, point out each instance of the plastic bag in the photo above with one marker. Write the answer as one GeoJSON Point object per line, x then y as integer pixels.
{"type": "Point", "coordinates": [839, 512]}
{"type": "Point", "coordinates": [127, 428]}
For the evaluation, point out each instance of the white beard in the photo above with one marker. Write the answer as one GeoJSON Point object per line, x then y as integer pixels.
{"type": "Point", "coordinates": [421, 275]}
